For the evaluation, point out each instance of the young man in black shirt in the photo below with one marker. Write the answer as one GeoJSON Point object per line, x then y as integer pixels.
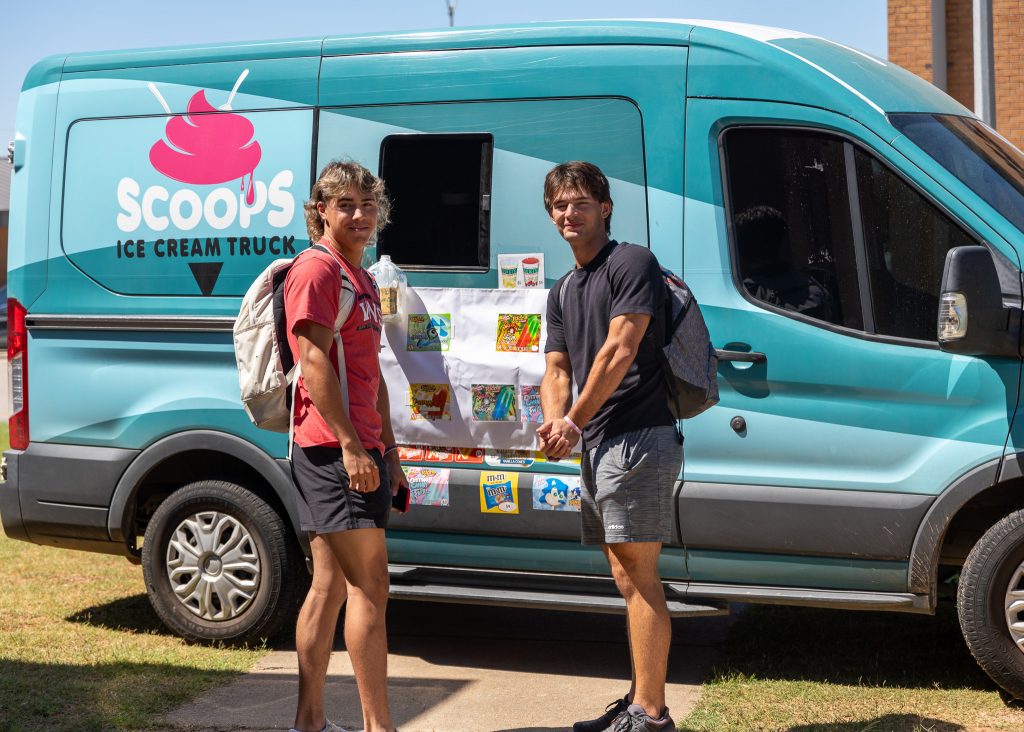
{"type": "Point", "coordinates": [597, 316]}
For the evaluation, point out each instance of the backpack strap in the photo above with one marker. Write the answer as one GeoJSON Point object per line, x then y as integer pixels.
{"type": "Point", "coordinates": [346, 303]}
{"type": "Point", "coordinates": [344, 306]}
{"type": "Point", "coordinates": [656, 336]}
{"type": "Point", "coordinates": [293, 387]}
{"type": "Point", "coordinates": [561, 295]}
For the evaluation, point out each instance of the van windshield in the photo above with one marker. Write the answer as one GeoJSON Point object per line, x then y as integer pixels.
{"type": "Point", "coordinates": [972, 151]}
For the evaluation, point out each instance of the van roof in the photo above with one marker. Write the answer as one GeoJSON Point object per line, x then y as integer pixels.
{"type": "Point", "coordinates": [734, 60]}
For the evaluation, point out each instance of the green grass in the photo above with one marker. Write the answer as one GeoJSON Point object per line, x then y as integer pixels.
{"type": "Point", "coordinates": [80, 648]}
{"type": "Point", "coordinates": [810, 670]}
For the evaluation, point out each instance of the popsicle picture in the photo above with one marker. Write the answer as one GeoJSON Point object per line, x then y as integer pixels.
{"type": "Point", "coordinates": [429, 401]}
{"type": "Point", "coordinates": [429, 332]}
{"type": "Point", "coordinates": [428, 486]}
{"type": "Point", "coordinates": [518, 333]}
{"type": "Point", "coordinates": [494, 403]}
{"type": "Point", "coordinates": [530, 403]}
{"type": "Point", "coordinates": [551, 493]}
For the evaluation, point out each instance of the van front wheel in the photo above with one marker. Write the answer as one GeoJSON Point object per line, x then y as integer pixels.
{"type": "Point", "coordinates": [990, 602]}
{"type": "Point", "coordinates": [220, 564]}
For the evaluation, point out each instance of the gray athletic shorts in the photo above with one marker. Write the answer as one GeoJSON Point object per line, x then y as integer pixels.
{"type": "Point", "coordinates": [627, 487]}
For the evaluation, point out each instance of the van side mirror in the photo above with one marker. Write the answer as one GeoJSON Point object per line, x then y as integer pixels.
{"type": "Point", "coordinates": [972, 319]}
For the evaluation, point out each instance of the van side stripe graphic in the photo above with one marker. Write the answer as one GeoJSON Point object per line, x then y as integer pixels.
{"type": "Point", "coordinates": [830, 75]}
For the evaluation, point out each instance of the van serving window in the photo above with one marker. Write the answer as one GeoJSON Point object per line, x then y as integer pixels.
{"type": "Point", "coordinates": [440, 188]}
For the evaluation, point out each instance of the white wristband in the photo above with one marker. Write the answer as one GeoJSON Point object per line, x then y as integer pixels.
{"type": "Point", "coordinates": [572, 424]}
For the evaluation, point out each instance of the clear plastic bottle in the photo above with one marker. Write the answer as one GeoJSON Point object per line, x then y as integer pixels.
{"type": "Point", "coordinates": [392, 282]}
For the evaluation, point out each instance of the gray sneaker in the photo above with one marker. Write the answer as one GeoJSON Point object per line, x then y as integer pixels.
{"type": "Point", "coordinates": [635, 719]}
{"type": "Point", "coordinates": [330, 726]}
{"type": "Point", "coordinates": [600, 724]}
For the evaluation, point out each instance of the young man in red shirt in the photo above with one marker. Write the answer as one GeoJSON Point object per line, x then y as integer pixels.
{"type": "Point", "coordinates": [344, 459]}
{"type": "Point", "coordinates": [598, 315]}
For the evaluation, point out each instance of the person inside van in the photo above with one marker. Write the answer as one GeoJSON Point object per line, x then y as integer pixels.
{"type": "Point", "coordinates": [344, 459]}
{"type": "Point", "coordinates": [597, 316]}
{"type": "Point", "coordinates": [768, 272]}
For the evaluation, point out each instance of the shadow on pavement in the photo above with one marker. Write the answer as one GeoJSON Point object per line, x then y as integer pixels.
{"type": "Point", "coordinates": [266, 701]}
{"type": "Point", "coordinates": [453, 667]}
{"type": "Point", "coordinates": [531, 640]}
{"type": "Point", "coordinates": [567, 644]}
{"type": "Point", "coordinates": [885, 723]}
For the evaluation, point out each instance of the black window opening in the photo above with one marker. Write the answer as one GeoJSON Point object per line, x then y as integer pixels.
{"type": "Point", "coordinates": [824, 230]}
{"type": "Point", "coordinates": [440, 190]}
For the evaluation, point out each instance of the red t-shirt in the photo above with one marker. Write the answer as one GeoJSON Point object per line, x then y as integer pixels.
{"type": "Point", "coordinates": [313, 292]}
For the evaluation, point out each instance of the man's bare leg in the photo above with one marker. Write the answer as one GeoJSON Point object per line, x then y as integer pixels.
{"type": "Point", "coordinates": [635, 569]}
{"type": "Point", "coordinates": [631, 694]}
{"type": "Point", "coordinates": [314, 634]}
{"type": "Point", "coordinates": [362, 555]}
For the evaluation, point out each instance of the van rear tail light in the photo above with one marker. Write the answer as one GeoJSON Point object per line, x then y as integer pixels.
{"type": "Point", "coordinates": [952, 316]}
{"type": "Point", "coordinates": [17, 365]}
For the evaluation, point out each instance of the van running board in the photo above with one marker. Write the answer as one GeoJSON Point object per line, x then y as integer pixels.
{"type": "Point", "coordinates": [542, 592]}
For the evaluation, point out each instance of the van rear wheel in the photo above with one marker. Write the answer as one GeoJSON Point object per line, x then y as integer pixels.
{"type": "Point", "coordinates": [220, 564]}
{"type": "Point", "coordinates": [990, 602]}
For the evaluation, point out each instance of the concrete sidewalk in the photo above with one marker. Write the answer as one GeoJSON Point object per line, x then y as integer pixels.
{"type": "Point", "coordinates": [466, 668]}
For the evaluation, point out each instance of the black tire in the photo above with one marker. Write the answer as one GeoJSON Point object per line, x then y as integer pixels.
{"type": "Point", "coordinates": [277, 585]}
{"type": "Point", "coordinates": [981, 597]}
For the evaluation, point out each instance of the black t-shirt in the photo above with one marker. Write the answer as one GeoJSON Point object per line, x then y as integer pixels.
{"type": "Point", "coordinates": [623, 279]}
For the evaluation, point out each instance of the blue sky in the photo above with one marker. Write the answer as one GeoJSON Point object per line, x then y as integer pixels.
{"type": "Point", "coordinates": [37, 28]}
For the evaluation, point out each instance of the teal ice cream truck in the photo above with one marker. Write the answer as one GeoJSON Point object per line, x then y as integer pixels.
{"type": "Point", "coordinates": [852, 234]}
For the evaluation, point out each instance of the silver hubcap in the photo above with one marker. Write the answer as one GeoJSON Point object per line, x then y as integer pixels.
{"type": "Point", "coordinates": [213, 565]}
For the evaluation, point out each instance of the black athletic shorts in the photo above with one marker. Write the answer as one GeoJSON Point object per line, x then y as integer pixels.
{"type": "Point", "coordinates": [326, 503]}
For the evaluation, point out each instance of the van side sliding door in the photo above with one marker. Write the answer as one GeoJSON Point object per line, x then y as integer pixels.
{"type": "Point", "coordinates": [464, 140]}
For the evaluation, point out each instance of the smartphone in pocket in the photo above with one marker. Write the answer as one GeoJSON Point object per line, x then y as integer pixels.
{"type": "Point", "coordinates": [400, 500]}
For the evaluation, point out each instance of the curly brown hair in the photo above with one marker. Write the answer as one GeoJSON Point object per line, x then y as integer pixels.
{"type": "Point", "coordinates": [336, 176]}
{"type": "Point", "coordinates": [577, 176]}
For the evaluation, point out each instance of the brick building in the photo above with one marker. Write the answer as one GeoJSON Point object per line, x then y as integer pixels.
{"type": "Point", "coordinates": [980, 64]}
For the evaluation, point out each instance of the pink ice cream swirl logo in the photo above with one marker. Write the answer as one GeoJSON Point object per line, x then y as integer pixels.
{"type": "Point", "coordinates": [201, 150]}
{"type": "Point", "coordinates": [205, 146]}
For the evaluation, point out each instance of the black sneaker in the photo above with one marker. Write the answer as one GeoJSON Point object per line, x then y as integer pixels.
{"type": "Point", "coordinates": [600, 724]}
{"type": "Point", "coordinates": [635, 719]}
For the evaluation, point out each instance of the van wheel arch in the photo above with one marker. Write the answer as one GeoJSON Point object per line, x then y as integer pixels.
{"type": "Point", "coordinates": [957, 519]}
{"type": "Point", "coordinates": [174, 461]}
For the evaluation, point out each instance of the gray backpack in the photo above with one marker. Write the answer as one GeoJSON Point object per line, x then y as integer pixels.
{"type": "Point", "coordinates": [267, 373]}
{"type": "Point", "coordinates": [687, 358]}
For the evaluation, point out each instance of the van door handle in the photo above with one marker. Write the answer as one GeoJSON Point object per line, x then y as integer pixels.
{"type": "Point", "coordinates": [742, 356]}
